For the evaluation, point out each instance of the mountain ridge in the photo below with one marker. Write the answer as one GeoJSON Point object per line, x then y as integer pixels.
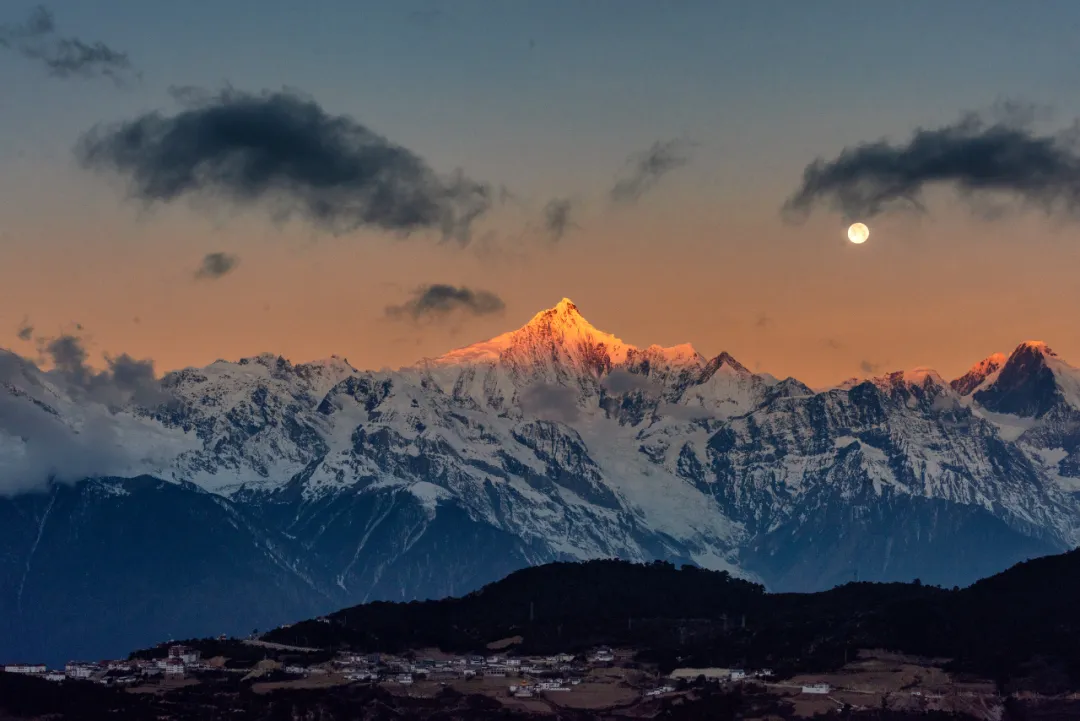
{"type": "Point", "coordinates": [560, 442]}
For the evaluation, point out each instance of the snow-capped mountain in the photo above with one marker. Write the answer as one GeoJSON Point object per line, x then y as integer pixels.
{"type": "Point", "coordinates": [553, 441]}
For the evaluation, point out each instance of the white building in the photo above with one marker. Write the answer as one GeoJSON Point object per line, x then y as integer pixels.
{"type": "Point", "coordinates": [660, 691]}
{"type": "Point", "coordinates": [174, 668]}
{"type": "Point", "coordinates": [26, 668]}
{"type": "Point", "coordinates": [737, 674]}
{"type": "Point", "coordinates": [55, 676]}
{"type": "Point", "coordinates": [79, 670]}
{"type": "Point", "coordinates": [817, 688]}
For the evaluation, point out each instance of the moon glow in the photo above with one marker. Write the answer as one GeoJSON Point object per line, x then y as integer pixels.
{"type": "Point", "coordinates": [858, 233]}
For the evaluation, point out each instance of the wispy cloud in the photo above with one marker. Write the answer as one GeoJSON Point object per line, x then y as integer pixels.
{"type": "Point", "coordinates": [648, 167]}
{"type": "Point", "coordinates": [558, 217]}
{"type": "Point", "coordinates": [65, 57]}
{"type": "Point", "coordinates": [440, 301]}
{"type": "Point", "coordinates": [283, 152]}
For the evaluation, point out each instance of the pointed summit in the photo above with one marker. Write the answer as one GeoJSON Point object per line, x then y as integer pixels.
{"type": "Point", "coordinates": [1030, 383]}
{"type": "Point", "coordinates": [558, 333]}
{"type": "Point", "coordinates": [978, 374]}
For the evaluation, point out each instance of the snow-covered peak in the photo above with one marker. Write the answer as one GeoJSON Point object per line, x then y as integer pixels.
{"type": "Point", "coordinates": [983, 372]}
{"type": "Point", "coordinates": [1035, 346]}
{"type": "Point", "coordinates": [558, 333]}
{"type": "Point", "coordinates": [564, 326]}
{"type": "Point", "coordinates": [1031, 382]}
{"type": "Point", "coordinates": [681, 354]}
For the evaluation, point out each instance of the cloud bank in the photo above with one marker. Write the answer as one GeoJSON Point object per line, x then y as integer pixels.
{"type": "Point", "coordinates": [283, 152]}
{"type": "Point", "coordinates": [975, 156]}
{"type": "Point", "coordinates": [439, 301]}
{"type": "Point", "coordinates": [649, 167]}
{"type": "Point", "coordinates": [64, 57]}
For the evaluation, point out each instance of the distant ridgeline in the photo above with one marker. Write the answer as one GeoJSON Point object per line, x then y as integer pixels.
{"type": "Point", "coordinates": [1020, 626]}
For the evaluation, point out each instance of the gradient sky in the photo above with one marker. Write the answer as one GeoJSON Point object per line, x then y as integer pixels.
{"type": "Point", "coordinates": [550, 99]}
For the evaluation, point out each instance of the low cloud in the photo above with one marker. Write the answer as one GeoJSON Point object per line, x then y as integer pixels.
{"type": "Point", "coordinates": [41, 441]}
{"type": "Point", "coordinates": [682, 412]}
{"type": "Point", "coordinates": [869, 367]}
{"type": "Point", "coordinates": [216, 265]}
{"type": "Point", "coordinates": [283, 152]}
{"type": "Point", "coordinates": [558, 218]}
{"type": "Point", "coordinates": [550, 401]}
{"type": "Point", "coordinates": [440, 301]}
{"type": "Point", "coordinates": [64, 57]}
{"type": "Point", "coordinates": [648, 167]}
{"type": "Point", "coordinates": [623, 381]}
{"type": "Point", "coordinates": [980, 157]}
{"type": "Point", "coordinates": [125, 379]}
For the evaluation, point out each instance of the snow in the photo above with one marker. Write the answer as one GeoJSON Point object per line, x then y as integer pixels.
{"type": "Point", "coordinates": [429, 494]}
{"type": "Point", "coordinates": [587, 490]}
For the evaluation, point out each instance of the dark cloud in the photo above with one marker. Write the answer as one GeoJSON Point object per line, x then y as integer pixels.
{"type": "Point", "coordinates": [832, 343]}
{"type": "Point", "coordinates": [64, 57]}
{"type": "Point", "coordinates": [26, 331]}
{"type": "Point", "coordinates": [438, 301]}
{"type": "Point", "coordinates": [282, 151]}
{"type": "Point", "coordinates": [763, 321]}
{"type": "Point", "coordinates": [558, 217]}
{"type": "Point", "coordinates": [623, 381]}
{"type": "Point", "coordinates": [980, 156]}
{"type": "Point", "coordinates": [550, 401]}
{"type": "Point", "coordinates": [868, 367]}
{"type": "Point", "coordinates": [215, 265]}
{"type": "Point", "coordinates": [649, 167]}
{"type": "Point", "coordinates": [125, 379]}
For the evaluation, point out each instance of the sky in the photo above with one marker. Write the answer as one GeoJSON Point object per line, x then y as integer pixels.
{"type": "Point", "coordinates": [636, 157]}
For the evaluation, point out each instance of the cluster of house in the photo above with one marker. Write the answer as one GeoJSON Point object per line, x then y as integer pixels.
{"type": "Point", "coordinates": [721, 674]}
{"type": "Point", "coordinates": [549, 670]}
{"type": "Point", "coordinates": [180, 661]}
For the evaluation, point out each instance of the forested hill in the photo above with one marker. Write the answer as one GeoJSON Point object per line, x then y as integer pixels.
{"type": "Point", "coordinates": [1020, 626]}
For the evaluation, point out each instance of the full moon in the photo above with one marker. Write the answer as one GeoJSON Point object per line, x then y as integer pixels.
{"type": "Point", "coordinates": [858, 233]}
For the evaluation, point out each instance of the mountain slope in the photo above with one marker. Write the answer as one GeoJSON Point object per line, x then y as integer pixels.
{"type": "Point", "coordinates": [553, 442]}
{"type": "Point", "coordinates": [93, 568]}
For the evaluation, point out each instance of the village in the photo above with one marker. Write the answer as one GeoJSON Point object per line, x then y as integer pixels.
{"type": "Point", "coordinates": [522, 676]}
{"type": "Point", "coordinates": [603, 678]}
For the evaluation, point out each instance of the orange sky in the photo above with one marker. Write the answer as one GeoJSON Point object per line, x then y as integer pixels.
{"type": "Point", "coordinates": [936, 291]}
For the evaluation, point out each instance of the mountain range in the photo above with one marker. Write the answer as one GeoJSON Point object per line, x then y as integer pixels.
{"type": "Point", "coordinates": [259, 491]}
